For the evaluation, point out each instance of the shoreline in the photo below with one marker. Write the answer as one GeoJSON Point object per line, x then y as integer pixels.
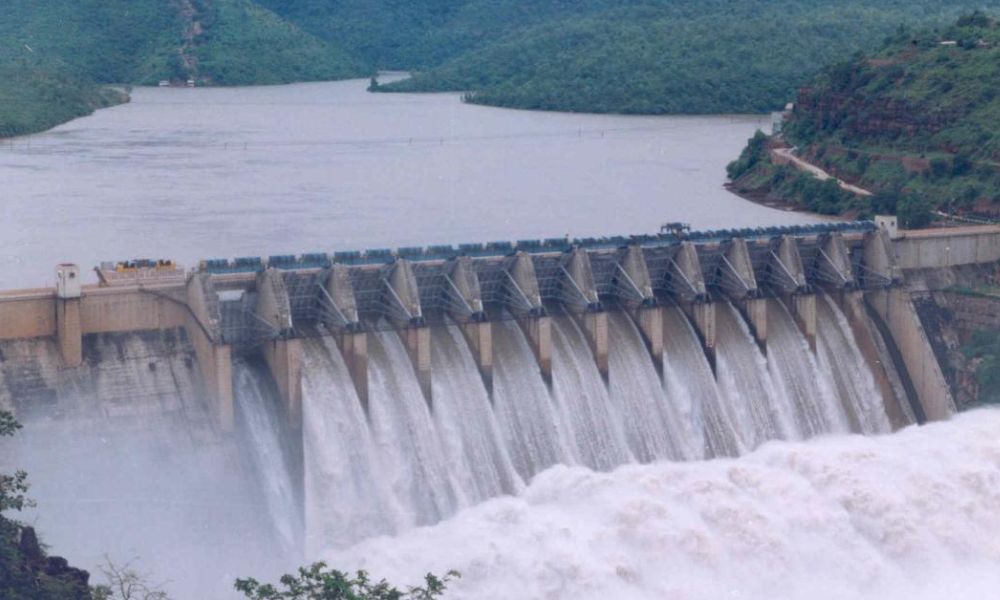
{"type": "Point", "coordinates": [764, 199]}
{"type": "Point", "coordinates": [108, 96]}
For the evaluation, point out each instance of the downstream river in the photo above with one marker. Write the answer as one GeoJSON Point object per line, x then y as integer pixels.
{"type": "Point", "coordinates": [202, 173]}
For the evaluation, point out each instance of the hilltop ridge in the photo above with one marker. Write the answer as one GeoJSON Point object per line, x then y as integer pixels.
{"type": "Point", "coordinates": [915, 122]}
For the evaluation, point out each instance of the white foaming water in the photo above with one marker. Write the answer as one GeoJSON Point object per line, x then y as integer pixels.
{"type": "Point", "coordinates": [346, 499]}
{"type": "Point", "coordinates": [258, 404]}
{"type": "Point", "coordinates": [839, 355]}
{"type": "Point", "coordinates": [476, 453]}
{"type": "Point", "coordinates": [794, 371]}
{"type": "Point", "coordinates": [901, 517]}
{"type": "Point", "coordinates": [593, 423]}
{"type": "Point", "coordinates": [656, 427]}
{"type": "Point", "coordinates": [687, 374]}
{"type": "Point", "coordinates": [525, 411]}
{"type": "Point", "coordinates": [760, 412]}
{"type": "Point", "coordinates": [408, 446]}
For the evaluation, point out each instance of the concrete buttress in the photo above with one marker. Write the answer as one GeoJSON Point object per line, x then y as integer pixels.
{"type": "Point", "coordinates": [282, 353]}
{"type": "Point", "coordinates": [404, 295]}
{"type": "Point", "coordinates": [834, 262]}
{"type": "Point", "coordinates": [736, 276]}
{"type": "Point", "coordinates": [525, 302]}
{"type": "Point", "coordinates": [467, 310]}
{"type": "Point", "coordinates": [214, 356]}
{"type": "Point", "coordinates": [636, 293]}
{"type": "Point", "coordinates": [896, 309]}
{"type": "Point", "coordinates": [340, 314]}
{"type": "Point", "coordinates": [580, 295]}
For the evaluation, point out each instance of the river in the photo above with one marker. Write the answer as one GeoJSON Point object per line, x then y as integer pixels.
{"type": "Point", "coordinates": [223, 172]}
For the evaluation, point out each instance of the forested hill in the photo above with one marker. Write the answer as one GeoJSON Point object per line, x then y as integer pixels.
{"type": "Point", "coordinates": [917, 123]}
{"type": "Point", "coordinates": [624, 56]}
{"type": "Point", "coordinates": [54, 53]}
{"type": "Point", "coordinates": [645, 56]}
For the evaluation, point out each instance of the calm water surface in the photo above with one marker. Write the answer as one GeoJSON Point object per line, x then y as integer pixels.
{"type": "Point", "coordinates": [201, 173]}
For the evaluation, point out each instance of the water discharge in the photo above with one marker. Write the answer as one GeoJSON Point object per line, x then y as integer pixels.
{"type": "Point", "coordinates": [901, 517]}
{"type": "Point", "coordinates": [346, 498]}
{"type": "Point", "coordinates": [855, 385]}
{"type": "Point", "coordinates": [549, 472]}
{"type": "Point", "coordinates": [760, 412]}
{"type": "Point", "coordinates": [477, 457]}
{"type": "Point", "coordinates": [525, 412]}
{"type": "Point", "coordinates": [257, 404]}
{"type": "Point", "coordinates": [687, 374]}
{"type": "Point", "coordinates": [656, 427]}
{"type": "Point", "coordinates": [795, 373]}
{"type": "Point", "coordinates": [593, 422]}
{"type": "Point", "coordinates": [411, 456]}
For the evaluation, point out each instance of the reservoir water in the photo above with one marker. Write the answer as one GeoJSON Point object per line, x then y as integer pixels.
{"type": "Point", "coordinates": [202, 173]}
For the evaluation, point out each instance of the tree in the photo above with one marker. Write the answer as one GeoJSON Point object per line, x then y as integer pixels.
{"type": "Point", "coordinates": [125, 583]}
{"type": "Point", "coordinates": [914, 212]}
{"type": "Point", "coordinates": [751, 155]}
{"type": "Point", "coordinates": [884, 202]}
{"type": "Point", "coordinates": [12, 487]}
{"type": "Point", "coordinates": [316, 582]}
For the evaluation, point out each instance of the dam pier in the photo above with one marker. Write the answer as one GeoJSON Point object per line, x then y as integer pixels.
{"type": "Point", "coordinates": [265, 307]}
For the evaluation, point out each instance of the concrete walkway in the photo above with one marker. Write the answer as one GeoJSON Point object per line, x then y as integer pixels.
{"type": "Point", "coordinates": [784, 156]}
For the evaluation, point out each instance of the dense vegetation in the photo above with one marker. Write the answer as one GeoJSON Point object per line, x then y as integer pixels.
{"type": "Point", "coordinates": [36, 98]}
{"type": "Point", "coordinates": [624, 56]}
{"type": "Point", "coordinates": [145, 41]}
{"type": "Point", "coordinates": [317, 582]}
{"type": "Point", "coordinates": [915, 122]}
{"type": "Point", "coordinates": [652, 56]}
{"type": "Point", "coordinates": [53, 54]}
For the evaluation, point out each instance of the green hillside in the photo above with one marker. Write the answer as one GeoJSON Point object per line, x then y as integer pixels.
{"type": "Point", "coordinates": [53, 54]}
{"type": "Point", "coordinates": [38, 93]}
{"type": "Point", "coordinates": [619, 56]}
{"type": "Point", "coordinates": [145, 41]}
{"type": "Point", "coordinates": [918, 122]}
{"type": "Point", "coordinates": [649, 56]}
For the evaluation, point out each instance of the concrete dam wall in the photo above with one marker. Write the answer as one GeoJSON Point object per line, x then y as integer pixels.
{"type": "Point", "coordinates": [362, 393]}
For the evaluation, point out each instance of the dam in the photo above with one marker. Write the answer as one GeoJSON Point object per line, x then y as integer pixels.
{"type": "Point", "coordinates": [379, 390]}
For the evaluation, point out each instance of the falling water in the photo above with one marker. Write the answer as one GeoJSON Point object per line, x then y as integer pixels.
{"type": "Point", "coordinates": [346, 499]}
{"type": "Point", "coordinates": [526, 413]}
{"type": "Point", "coordinates": [476, 454]}
{"type": "Point", "coordinates": [595, 424]}
{"type": "Point", "coordinates": [257, 403]}
{"type": "Point", "coordinates": [839, 355]}
{"type": "Point", "coordinates": [794, 370]}
{"type": "Point", "coordinates": [760, 415]}
{"type": "Point", "coordinates": [656, 427]}
{"type": "Point", "coordinates": [687, 374]}
{"type": "Point", "coordinates": [409, 450]}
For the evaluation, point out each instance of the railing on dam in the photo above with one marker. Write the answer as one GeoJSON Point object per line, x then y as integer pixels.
{"type": "Point", "coordinates": [411, 286]}
{"type": "Point", "coordinates": [383, 256]}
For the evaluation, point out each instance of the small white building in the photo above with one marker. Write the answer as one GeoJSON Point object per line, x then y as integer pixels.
{"type": "Point", "coordinates": [890, 224]}
{"type": "Point", "coordinates": [68, 281]}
